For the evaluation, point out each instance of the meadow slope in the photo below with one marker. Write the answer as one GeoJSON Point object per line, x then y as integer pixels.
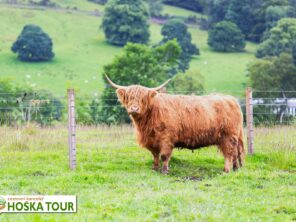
{"type": "Point", "coordinates": [81, 52]}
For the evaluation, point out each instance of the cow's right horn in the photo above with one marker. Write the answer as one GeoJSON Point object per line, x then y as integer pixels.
{"type": "Point", "coordinates": [113, 84]}
{"type": "Point", "coordinates": [162, 85]}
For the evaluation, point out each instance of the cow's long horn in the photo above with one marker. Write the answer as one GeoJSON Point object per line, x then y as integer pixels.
{"type": "Point", "coordinates": [162, 85]}
{"type": "Point", "coordinates": [113, 84]}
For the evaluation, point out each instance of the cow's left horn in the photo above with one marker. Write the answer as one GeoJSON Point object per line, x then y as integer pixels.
{"type": "Point", "coordinates": [113, 84]}
{"type": "Point", "coordinates": [162, 85]}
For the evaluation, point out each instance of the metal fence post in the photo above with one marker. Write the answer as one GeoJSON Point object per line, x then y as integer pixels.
{"type": "Point", "coordinates": [71, 129]}
{"type": "Point", "coordinates": [249, 116]}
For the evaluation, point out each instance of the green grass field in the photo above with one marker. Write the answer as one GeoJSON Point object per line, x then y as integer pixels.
{"type": "Point", "coordinates": [114, 182]}
{"type": "Point", "coordinates": [81, 52]}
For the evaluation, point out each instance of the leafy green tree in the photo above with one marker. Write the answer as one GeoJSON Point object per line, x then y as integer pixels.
{"type": "Point", "coordinates": [177, 29]}
{"type": "Point", "coordinates": [193, 5]}
{"type": "Point", "coordinates": [191, 82]}
{"type": "Point", "coordinates": [33, 44]}
{"type": "Point", "coordinates": [270, 78]}
{"type": "Point", "coordinates": [281, 39]}
{"type": "Point", "coordinates": [139, 64]}
{"type": "Point", "coordinates": [226, 37]}
{"type": "Point", "coordinates": [294, 53]}
{"type": "Point", "coordinates": [155, 7]}
{"type": "Point", "coordinates": [216, 11]}
{"type": "Point", "coordinates": [126, 21]}
{"type": "Point", "coordinates": [248, 15]}
{"type": "Point", "coordinates": [241, 12]}
{"type": "Point", "coordinates": [273, 74]}
{"type": "Point", "coordinates": [273, 14]}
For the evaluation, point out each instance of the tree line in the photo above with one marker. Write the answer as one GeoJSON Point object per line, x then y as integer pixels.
{"type": "Point", "coordinates": [230, 24]}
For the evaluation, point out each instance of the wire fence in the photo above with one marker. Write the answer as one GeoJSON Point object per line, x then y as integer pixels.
{"type": "Point", "coordinates": [273, 122]}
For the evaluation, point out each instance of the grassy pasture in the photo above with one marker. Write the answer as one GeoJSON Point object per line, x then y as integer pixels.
{"type": "Point", "coordinates": [81, 52]}
{"type": "Point", "coordinates": [114, 181]}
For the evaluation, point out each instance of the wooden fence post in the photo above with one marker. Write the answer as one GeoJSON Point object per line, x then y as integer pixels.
{"type": "Point", "coordinates": [71, 129]}
{"type": "Point", "coordinates": [249, 116]}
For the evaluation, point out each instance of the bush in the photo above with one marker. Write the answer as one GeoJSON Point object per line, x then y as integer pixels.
{"type": "Point", "coordinates": [155, 7]}
{"type": "Point", "coordinates": [226, 37]}
{"type": "Point", "coordinates": [126, 21]}
{"type": "Point", "coordinates": [23, 105]}
{"type": "Point", "coordinates": [33, 44]}
{"type": "Point", "coordinates": [269, 79]}
{"type": "Point", "coordinates": [192, 82]}
{"type": "Point", "coordinates": [177, 29]}
{"type": "Point", "coordinates": [281, 39]}
{"type": "Point", "coordinates": [194, 5]}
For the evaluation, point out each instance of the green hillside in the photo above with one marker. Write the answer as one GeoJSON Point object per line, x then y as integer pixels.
{"type": "Point", "coordinates": [81, 51]}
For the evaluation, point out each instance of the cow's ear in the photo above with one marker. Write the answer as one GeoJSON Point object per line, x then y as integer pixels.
{"type": "Point", "coordinates": [121, 94]}
{"type": "Point", "coordinates": [152, 93]}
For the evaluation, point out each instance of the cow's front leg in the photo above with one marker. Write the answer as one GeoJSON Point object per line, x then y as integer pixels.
{"type": "Point", "coordinates": [165, 156]}
{"type": "Point", "coordinates": [155, 160]}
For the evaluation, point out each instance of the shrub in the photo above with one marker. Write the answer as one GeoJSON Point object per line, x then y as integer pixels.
{"type": "Point", "coordinates": [126, 21]}
{"type": "Point", "coordinates": [226, 37]}
{"type": "Point", "coordinates": [177, 29]}
{"type": "Point", "coordinates": [33, 44]}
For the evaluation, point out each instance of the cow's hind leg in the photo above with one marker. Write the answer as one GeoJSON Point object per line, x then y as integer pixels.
{"type": "Point", "coordinates": [229, 149]}
{"type": "Point", "coordinates": [155, 160]}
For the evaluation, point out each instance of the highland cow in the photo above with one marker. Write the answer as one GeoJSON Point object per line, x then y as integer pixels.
{"type": "Point", "coordinates": [164, 122]}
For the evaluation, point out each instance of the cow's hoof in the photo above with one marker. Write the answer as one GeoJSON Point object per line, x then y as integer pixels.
{"type": "Point", "coordinates": [165, 172]}
{"type": "Point", "coordinates": [156, 168]}
{"type": "Point", "coordinates": [226, 170]}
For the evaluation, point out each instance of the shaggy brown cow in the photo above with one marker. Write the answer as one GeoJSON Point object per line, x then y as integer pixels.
{"type": "Point", "coordinates": [166, 121]}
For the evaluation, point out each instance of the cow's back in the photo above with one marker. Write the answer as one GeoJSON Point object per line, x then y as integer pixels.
{"type": "Point", "coordinates": [198, 121]}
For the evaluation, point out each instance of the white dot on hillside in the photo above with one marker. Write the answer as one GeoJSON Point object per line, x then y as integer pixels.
{"type": "Point", "coordinates": [86, 81]}
{"type": "Point", "coordinates": [205, 62]}
{"type": "Point", "coordinates": [38, 74]}
{"type": "Point", "coordinates": [95, 94]}
{"type": "Point", "coordinates": [94, 77]}
{"type": "Point", "coordinates": [28, 76]}
{"type": "Point", "coordinates": [33, 84]}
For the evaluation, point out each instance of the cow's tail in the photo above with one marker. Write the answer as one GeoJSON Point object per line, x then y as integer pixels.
{"type": "Point", "coordinates": [241, 149]}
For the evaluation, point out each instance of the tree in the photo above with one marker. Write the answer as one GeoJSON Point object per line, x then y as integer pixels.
{"type": "Point", "coordinates": [270, 78]}
{"type": "Point", "coordinates": [273, 74]}
{"type": "Point", "coordinates": [294, 53]}
{"type": "Point", "coordinates": [126, 21]}
{"type": "Point", "coordinates": [273, 14]}
{"type": "Point", "coordinates": [216, 11]}
{"type": "Point", "coordinates": [139, 64]}
{"type": "Point", "coordinates": [193, 5]}
{"type": "Point", "coordinates": [191, 82]}
{"type": "Point", "coordinates": [248, 15]}
{"type": "Point", "coordinates": [155, 7]}
{"type": "Point", "coordinates": [177, 29]}
{"type": "Point", "coordinates": [33, 44]}
{"type": "Point", "coordinates": [281, 39]}
{"type": "Point", "coordinates": [226, 37]}
{"type": "Point", "coordinates": [242, 13]}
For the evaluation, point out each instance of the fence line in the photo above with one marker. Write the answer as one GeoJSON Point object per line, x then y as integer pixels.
{"type": "Point", "coordinates": [267, 111]}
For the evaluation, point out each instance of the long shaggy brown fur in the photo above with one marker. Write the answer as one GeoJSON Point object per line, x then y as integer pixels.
{"type": "Point", "coordinates": [166, 121]}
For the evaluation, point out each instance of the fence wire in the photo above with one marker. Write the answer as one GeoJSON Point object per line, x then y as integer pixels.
{"type": "Point", "coordinates": [36, 124]}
